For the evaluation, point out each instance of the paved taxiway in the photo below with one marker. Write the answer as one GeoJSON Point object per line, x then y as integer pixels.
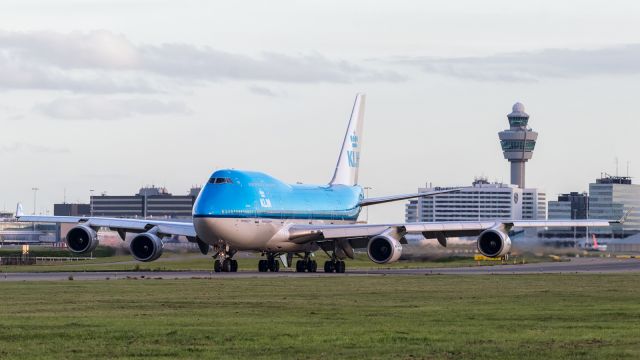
{"type": "Point", "coordinates": [582, 265]}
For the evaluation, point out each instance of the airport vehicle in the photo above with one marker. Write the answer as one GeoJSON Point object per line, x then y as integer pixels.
{"type": "Point", "coordinates": [248, 210]}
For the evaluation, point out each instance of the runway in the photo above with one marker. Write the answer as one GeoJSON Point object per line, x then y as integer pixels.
{"type": "Point", "coordinates": [575, 266]}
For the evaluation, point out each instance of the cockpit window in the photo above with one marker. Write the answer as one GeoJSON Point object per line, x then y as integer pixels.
{"type": "Point", "coordinates": [220, 181]}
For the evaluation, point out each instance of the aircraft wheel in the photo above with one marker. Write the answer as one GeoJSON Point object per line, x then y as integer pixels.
{"type": "Point", "coordinates": [217, 266]}
{"type": "Point", "coordinates": [328, 266]}
{"type": "Point", "coordinates": [263, 266]}
{"type": "Point", "coordinates": [234, 265]}
{"type": "Point", "coordinates": [340, 267]}
{"type": "Point", "coordinates": [276, 266]}
{"type": "Point", "coordinates": [312, 266]}
{"type": "Point", "coordinates": [300, 266]}
{"type": "Point", "coordinates": [226, 265]}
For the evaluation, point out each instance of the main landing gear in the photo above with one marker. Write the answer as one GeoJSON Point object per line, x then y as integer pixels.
{"type": "Point", "coordinates": [270, 264]}
{"type": "Point", "coordinates": [335, 265]}
{"type": "Point", "coordinates": [306, 264]}
{"type": "Point", "coordinates": [227, 264]}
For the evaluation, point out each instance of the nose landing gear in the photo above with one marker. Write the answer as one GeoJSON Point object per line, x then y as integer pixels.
{"type": "Point", "coordinates": [227, 264]}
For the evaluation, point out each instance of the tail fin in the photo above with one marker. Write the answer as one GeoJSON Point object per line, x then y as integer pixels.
{"type": "Point", "coordinates": [595, 242]}
{"type": "Point", "coordinates": [19, 211]}
{"type": "Point", "coordinates": [349, 161]}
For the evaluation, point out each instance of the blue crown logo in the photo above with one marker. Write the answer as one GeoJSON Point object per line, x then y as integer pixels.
{"type": "Point", "coordinates": [354, 140]}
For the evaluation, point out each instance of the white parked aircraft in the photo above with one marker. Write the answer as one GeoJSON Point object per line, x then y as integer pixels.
{"type": "Point", "coordinates": [247, 210]}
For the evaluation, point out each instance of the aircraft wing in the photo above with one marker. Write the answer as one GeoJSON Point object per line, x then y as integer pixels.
{"type": "Point", "coordinates": [303, 233]}
{"type": "Point", "coordinates": [120, 225]}
{"type": "Point", "coordinates": [385, 199]}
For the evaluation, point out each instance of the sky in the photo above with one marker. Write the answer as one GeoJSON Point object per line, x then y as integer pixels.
{"type": "Point", "coordinates": [113, 95]}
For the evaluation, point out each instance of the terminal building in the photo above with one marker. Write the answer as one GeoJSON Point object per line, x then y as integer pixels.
{"type": "Point", "coordinates": [573, 205]}
{"type": "Point", "coordinates": [609, 198]}
{"type": "Point", "coordinates": [480, 201]}
{"type": "Point", "coordinates": [149, 202]}
{"type": "Point", "coordinates": [14, 232]}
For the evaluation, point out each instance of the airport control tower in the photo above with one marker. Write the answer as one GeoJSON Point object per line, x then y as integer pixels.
{"type": "Point", "coordinates": [517, 143]}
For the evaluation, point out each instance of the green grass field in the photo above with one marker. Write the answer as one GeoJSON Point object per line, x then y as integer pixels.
{"type": "Point", "coordinates": [407, 317]}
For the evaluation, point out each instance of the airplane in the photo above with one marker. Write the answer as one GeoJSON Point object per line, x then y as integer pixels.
{"type": "Point", "coordinates": [240, 210]}
{"type": "Point", "coordinates": [593, 245]}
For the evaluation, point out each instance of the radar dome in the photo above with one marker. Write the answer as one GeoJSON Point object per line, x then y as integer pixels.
{"type": "Point", "coordinates": [518, 107]}
{"type": "Point", "coordinates": [518, 111]}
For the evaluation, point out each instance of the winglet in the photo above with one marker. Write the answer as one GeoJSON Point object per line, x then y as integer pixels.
{"type": "Point", "coordinates": [625, 216]}
{"type": "Point", "coordinates": [19, 210]}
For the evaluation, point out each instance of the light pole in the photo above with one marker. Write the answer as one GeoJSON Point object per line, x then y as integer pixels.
{"type": "Point", "coordinates": [35, 193]}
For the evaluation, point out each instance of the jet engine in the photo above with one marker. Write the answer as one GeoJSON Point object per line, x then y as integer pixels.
{"type": "Point", "coordinates": [81, 239]}
{"type": "Point", "coordinates": [494, 243]}
{"type": "Point", "coordinates": [146, 247]}
{"type": "Point", "coordinates": [384, 249]}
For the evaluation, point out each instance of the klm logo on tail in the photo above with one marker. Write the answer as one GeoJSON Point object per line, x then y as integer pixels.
{"type": "Point", "coordinates": [352, 155]}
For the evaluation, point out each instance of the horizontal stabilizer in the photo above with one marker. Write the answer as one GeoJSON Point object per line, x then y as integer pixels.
{"type": "Point", "coordinates": [385, 199]}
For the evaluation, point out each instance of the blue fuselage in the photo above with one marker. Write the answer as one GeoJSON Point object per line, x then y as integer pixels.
{"type": "Point", "coordinates": [247, 194]}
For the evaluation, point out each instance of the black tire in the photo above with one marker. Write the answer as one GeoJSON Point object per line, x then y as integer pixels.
{"type": "Point", "coordinates": [328, 266]}
{"type": "Point", "coordinates": [226, 265]}
{"type": "Point", "coordinates": [276, 266]}
{"type": "Point", "coordinates": [217, 266]}
{"type": "Point", "coordinates": [300, 266]}
{"type": "Point", "coordinates": [312, 265]}
{"type": "Point", "coordinates": [340, 267]}
{"type": "Point", "coordinates": [262, 266]}
{"type": "Point", "coordinates": [234, 265]}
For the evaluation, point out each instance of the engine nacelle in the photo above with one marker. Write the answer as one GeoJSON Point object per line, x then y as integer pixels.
{"type": "Point", "coordinates": [383, 249]}
{"type": "Point", "coordinates": [146, 247]}
{"type": "Point", "coordinates": [494, 243]}
{"type": "Point", "coordinates": [81, 239]}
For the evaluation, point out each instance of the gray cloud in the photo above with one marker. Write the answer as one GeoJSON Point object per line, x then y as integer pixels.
{"type": "Point", "coordinates": [103, 62]}
{"type": "Point", "coordinates": [535, 66]}
{"type": "Point", "coordinates": [31, 148]}
{"type": "Point", "coordinates": [261, 90]}
{"type": "Point", "coordinates": [96, 108]}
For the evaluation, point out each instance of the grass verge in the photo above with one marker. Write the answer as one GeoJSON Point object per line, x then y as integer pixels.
{"type": "Point", "coordinates": [424, 317]}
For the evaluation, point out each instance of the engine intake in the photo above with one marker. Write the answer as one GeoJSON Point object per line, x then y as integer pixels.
{"type": "Point", "coordinates": [81, 239]}
{"type": "Point", "coordinates": [146, 247]}
{"type": "Point", "coordinates": [383, 249]}
{"type": "Point", "coordinates": [494, 243]}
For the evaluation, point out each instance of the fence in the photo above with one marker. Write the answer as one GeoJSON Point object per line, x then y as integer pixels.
{"type": "Point", "coordinates": [32, 260]}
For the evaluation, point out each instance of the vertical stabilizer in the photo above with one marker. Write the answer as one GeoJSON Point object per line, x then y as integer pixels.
{"type": "Point", "coordinates": [19, 210]}
{"type": "Point", "coordinates": [349, 160]}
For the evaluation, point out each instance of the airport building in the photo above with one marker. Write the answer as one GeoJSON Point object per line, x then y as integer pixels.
{"type": "Point", "coordinates": [480, 201]}
{"type": "Point", "coordinates": [574, 206]}
{"type": "Point", "coordinates": [610, 197]}
{"type": "Point", "coordinates": [483, 200]}
{"type": "Point", "coordinates": [66, 209]}
{"type": "Point", "coordinates": [13, 232]}
{"type": "Point", "coordinates": [149, 202]}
